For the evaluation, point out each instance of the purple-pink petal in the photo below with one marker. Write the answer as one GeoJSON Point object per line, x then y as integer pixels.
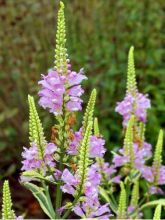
{"type": "Point", "coordinates": [136, 105]}
{"type": "Point", "coordinates": [68, 177]}
{"type": "Point", "coordinates": [66, 188]}
{"type": "Point", "coordinates": [50, 149]}
{"type": "Point", "coordinates": [78, 211]}
{"type": "Point", "coordinates": [97, 147]}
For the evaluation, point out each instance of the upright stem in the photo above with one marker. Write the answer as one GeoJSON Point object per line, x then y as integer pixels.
{"type": "Point", "coordinates": [66, 214]}
{"type": "Point", "coordinates": [62, 154]}
{"type": "Point", "coordinates": [58, 190]}
{"type": "Point", "coordinates": [48, 197]}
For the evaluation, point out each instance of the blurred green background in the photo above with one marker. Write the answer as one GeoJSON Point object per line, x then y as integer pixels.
{"type": "Point", "coordinates": [99, 34]}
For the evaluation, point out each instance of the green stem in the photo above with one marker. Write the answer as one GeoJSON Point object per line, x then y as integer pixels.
{"type": "Point", "coordinates": [58, 190]}
{"type": "Point", "coordinates": [142, 200]}
{"type": "Point", "coordinates": [47, 194]}
{"type": "Point", "coordinates": [61, 165]}
{"type": "Point", "coordinates": [49, 169]}
{"type": "Point", "coordinates": [66, 214]}
{"type": "Point", "coordinates": [48, 197]}
{"type": "Point", "coordinates": [113, 199]}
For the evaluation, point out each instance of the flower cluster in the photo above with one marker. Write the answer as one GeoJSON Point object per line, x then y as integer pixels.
{"type": "Point", "coordinates": [90, 207]}
{"type": "Point", "coordinates": [108, 172]}
{"type": "Point", "coordinates": [149, 174]}
{"type": "Point", "coordinates": [97, 148]}
{"type": "Point", "coordinates": [31, 159]}
{"type": "Point", "coordinates": [133, 105]}
{"type": "Point", "coordinates": [58, 88]}
{"type": "Point", "coordinates": [141, 154]}
{"type": "Point", "coordinates": [142, 151]}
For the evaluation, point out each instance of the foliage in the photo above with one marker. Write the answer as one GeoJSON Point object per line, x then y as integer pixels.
{"type": "Point", "coordinates": [157, 214]}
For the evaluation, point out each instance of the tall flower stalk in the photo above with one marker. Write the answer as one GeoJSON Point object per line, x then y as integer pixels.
{"type": "Point", "coordinates": [7, 211]}
{"type": "Point", "coordinates": [122, 203]}
{"type": "Point", "coordinates": [157, 161]}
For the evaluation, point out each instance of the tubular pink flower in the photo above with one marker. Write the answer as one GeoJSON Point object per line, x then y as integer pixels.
{"type": "Point", "coordinates": [89, 210]}
{"type": "Point", "coordinates": [70, 182]}
{"type": "Point", "coordinates": [74, 104]}
{"type": "Point", "coordinates": [76, 78]}
{"type": "Point", "coordinates": [162, 176]}
{"type": "Point", "coordinates": [161, 180]}
{"type": "Point", "coordinates": [91, 206]}
{"type": "Point", "coordinates": [156, 190]}
{"type": "Point", "coordinates": [133, 105]}
{"type": "Point", "coordinates": [147, 173]}
{"type": "Point", "coordinates": [120, 160]}
{"type": "Point", "coordinates": [52, 91]}
{"type": "Point", "coordinates": [30, 157]}
{"type": "Point", "coordinates": [107, 171]}
{"type": "Point", "coordinates": [55, 86]}
{"type": "Point", "coordinates": [76, 91]}
{"type": "Point", "coordinates": [141, 154]}
{"type": "Point", "coordinates": [97, 148]}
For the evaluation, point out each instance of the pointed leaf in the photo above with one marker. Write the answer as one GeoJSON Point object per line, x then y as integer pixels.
{"type": "Point", "coordinates": [38, 193]}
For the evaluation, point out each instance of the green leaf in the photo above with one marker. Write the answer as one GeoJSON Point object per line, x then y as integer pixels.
{"type": "Point", "coordinates": [157, 214]}
{"type": "Point", "coordinates": [153, 203]}
{"type": "Point", "coordinates": [103, 193]}
{"type": "Point", "coordinates": [38, 193]}
{"type": "Point", "coordinates": [32, 173]}
{"type": "Point", "coordinates": [36, 175]}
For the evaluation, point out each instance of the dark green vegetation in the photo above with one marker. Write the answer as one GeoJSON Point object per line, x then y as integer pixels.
{"type": "Point", "coordinates": [100, 33]}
